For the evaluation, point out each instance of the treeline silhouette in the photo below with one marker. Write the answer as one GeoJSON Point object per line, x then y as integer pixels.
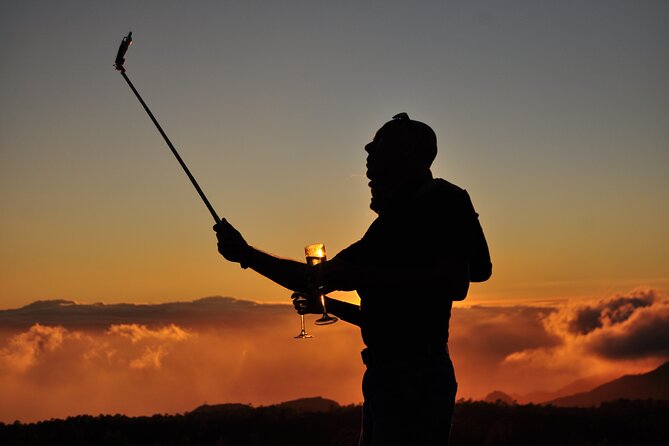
{"type": "Point", "coordinates": [476, 423]}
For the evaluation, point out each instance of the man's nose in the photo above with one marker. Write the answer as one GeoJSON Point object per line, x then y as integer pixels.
{"type": "Point", "coordinates": [369, 147]}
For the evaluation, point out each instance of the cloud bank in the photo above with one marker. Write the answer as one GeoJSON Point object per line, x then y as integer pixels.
{"type": "Point", "coordinates": [167, 358]}
{"type": "Point", "coordinates": [625, 332]}
{"type": "Point", "coordinates": [624, 327]}
{"type": "Point", "coordinates": [60, 358]}
{"type": "Point", "coordinates": [24, 350]}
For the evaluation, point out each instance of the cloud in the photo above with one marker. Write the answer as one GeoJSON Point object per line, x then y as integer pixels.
{"type": "Point", "coordinates": [632, 326]}
{"type": "Point", "coordinates": [520, 349]}
{"type": "Point", "coordinates": [224, 351]}
{"type": "Point", "coordinates": [122, 344]}
{"type": "Point", "coordinates": [137, 333]}
{"type": "Point", "coordinates": [145, 359]}
{"type": "Point", "coordinates": [156, 343]}
{"type": "Point", "coordinates": [151, 357]}
{"type": "Point", "coordinates": [625, 332]}
{"type": "Point", "coordinates": [25, 349]}
{"type": "Point", "coordinates": [481, 338]}
{"type": "Point", "coordinates": [495, 332]}
{"type": "Point", "coordinates": [585, 319]}
{"type": "Point", "coordinates": [644, 334]}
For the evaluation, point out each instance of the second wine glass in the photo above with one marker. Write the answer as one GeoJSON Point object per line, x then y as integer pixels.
{"type": "Point", "coordinates": [315, 254]}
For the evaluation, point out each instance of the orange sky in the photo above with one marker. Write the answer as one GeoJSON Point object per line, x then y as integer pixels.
{"type": "Point", "coordinates": [553, 117]}
{"type": "Point", "coordinates": [560, 138]}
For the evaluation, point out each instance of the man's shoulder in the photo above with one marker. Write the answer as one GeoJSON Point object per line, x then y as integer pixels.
{"type": "Point", "coordinates": [447, 199]}
{"type": "Point", "coordinates": [446, 186]}
{"type": "Point", "coordinates": [446, 190]}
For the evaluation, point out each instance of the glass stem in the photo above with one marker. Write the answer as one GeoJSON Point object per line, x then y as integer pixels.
{"type": "Point", "coordinates": [302, 328]}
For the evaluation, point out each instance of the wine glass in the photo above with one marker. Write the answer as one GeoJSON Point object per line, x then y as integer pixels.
{"type": "Point", "coordinates": [300, 299]}
{"type": "Point", "coordinates": [316, 254]}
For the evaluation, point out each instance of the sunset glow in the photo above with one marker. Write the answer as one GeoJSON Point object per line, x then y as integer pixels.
{"type": "Point", "coordinates": [552, 116]}
{"type": "Point", "coordinates": [173, 357]}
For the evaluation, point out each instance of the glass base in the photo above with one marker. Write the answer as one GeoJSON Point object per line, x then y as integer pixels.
{"type": "Point", "coordinates": [303, 336]}
{"type": "Point", "coordinates": [326, 320]}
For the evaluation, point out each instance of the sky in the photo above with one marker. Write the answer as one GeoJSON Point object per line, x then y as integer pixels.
{"type": "Point", "coordinates": [553, 115]}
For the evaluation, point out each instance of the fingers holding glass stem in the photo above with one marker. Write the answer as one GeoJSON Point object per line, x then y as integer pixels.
{"type": "Point", "coordinates": [301, 302]}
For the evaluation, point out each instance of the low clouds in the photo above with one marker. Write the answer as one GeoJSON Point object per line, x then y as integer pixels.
{"type": "Point", "coordinates": [125, 344]}
{"type": "Point", "coordinates": [137, 333]}
{"type": "Point", "coordinates": [627, 327]}
{"type": "Point", "coordinates": [151, 357]}
{"type": "Point", "coordinates": [60, 358]}
{"type": "Point", "coordinates": [520, 349]}
{"type": "Point", "coordinates": [155, 343]}
{"type": "Point", "coordinates": [216, 350]}
{"type": "Point", "coordinates": [24, 350]}
{"type": "Point", "coordinates": [632, 331]}
{"type": "Point", "coordinates": [623, 333]}
{"type": "Point", "coordinates": [483, 337]}
{"type": "Point", "coordinates": [587, 318]}
{"type": "Point", "coordinates": [492, 333]}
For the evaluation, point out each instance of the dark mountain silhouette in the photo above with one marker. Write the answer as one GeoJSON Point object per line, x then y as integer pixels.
{"type": "Point", "coordinates": [498, 396]}
{"type": "Point", "coordinates": [217, 410]}
{"type": "Point", "coordinates": [306, 405]}
{"type": "Point", "coordinates": [651, 385]}
{"type": "Point", "coordinates": [208, 311]}
{"type": "Point", "coordinates": [300, 406]}
{"type": "Point", "coordinates": [578, 386]}
{"type": "Point", "coordinates": [475, 423]}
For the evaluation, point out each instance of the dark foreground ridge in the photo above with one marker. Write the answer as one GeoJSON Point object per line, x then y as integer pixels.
{"type": "Point", "coordinates": [321, 422]}
{"type": "Point", "coordinates": [653, 385]}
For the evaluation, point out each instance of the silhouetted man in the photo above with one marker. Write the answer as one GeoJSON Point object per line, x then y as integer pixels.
{"type": "Point", "coordinates": [416, 258]}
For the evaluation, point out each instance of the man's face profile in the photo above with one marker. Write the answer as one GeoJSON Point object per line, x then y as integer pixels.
{"type": "Point", "coordinates": [385, 161]}
{"type": "Point", "coordinates": [384, 158]}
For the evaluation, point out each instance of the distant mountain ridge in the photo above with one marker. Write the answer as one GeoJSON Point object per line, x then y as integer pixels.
{"type": "Point", "coordinates": [307, 405]}
{"type": "Point", "coordinates": [652, 385]}
{"type": "Point", "coordinates": [215, 310]}
{"type": "Point", "coordinates": [578, 386]}
{"type": "Point", "coordinates": [497, 396]}
{"type": "Point", "coordinates": [476, 423]}
{"type": "Point", "coordinates": [300, 406]}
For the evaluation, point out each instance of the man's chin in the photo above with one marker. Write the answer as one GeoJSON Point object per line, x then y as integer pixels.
{"type": "Point", "coordinates": [376, 204]}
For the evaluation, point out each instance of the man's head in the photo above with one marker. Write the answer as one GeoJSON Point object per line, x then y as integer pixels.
{"type": "Point", "coordinates": [400, 155]}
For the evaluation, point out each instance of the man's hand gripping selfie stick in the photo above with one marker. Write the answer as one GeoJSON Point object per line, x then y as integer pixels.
{"type": "Point", "coordinates": [127, 40]}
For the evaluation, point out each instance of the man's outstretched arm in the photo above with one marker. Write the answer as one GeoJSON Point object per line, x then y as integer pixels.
{"type": "Point", "coordinates": [287, 273]}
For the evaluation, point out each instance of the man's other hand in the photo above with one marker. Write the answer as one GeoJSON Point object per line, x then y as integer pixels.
{"type": "Point", "coordinates": [231, 244]}
{"type": "Point", "coordinates": [307, 303]}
